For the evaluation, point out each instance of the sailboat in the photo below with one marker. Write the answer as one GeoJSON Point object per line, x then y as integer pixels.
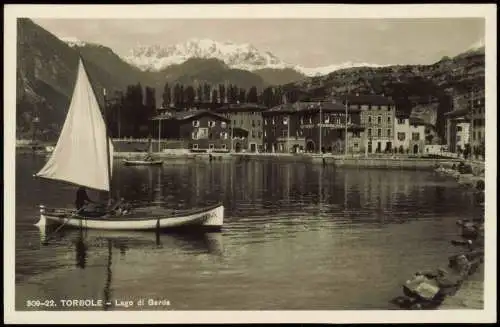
{"type": "Point", "coordinates": [83, 156]}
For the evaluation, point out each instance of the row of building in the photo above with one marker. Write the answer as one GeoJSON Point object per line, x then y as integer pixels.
{"type": "Point", "coordinates": [371, 123]}
{"type": "Point", "coordinates": [465, 124]}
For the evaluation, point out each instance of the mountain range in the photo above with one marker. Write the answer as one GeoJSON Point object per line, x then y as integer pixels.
{"type": "Point", "coordinates": [46, 69]}
{"type": "Point", "coordinates": [238, 56]}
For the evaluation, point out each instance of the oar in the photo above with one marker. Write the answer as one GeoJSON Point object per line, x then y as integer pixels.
{"type": "Point", "coordinates": [64, 223]}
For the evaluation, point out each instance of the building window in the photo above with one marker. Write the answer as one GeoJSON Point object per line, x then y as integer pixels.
{"type": "Point", "coordinates": [195, 146]}
{"type": "Point", "coordinates": [284, 133]}
{"type": "Point", "coordinates": [301, 120]}
{"type": "Point", "coordinates": [356, 134]}
{"type": "Point", "coordinates": [415, 136]}
{"type": "Point", "coordinates": [379, 132]}
{"type": "Point", "coordinates": [388, 108]}
{"type": "Point", "coordinates": [194, 135]}
{"type": "Point", "coordinates": [223, 147]}
{"type": "Point", "coordinates": [459, 128]}
{"type": "Point", "coordinates": [327, 120]}
{"type": "Point", "coordinates": [388, 119]}
{"type": "Point", "coordinates": [196, 123]}
{"type": "Point", "coordinates": [223, 135]}
{"type": "Point", "coordinates": [356, 145]}
{"type": "Point", "coordinates": [285, 120]}
{"type": "Point", "coordinates": [211, 123]}
{"type": "Point", "coordinates": [223, 124]}
{"type": "Point", "coordinates": [401, 121]}
{"type": "Point", "coordinates": [369, 119]}
{"type": "Point", "coordinates": [265, 133]}
{"type": "Point", "coordinates": [458, 138]}
{"type": "Point", "coordinates": [258, 122]}
{"type": "Point", "coordinates": [211, 146]}
{"type": "Point", "coordinates": [401, 136]}
{"type": "Point", "coordinates": [274, 122]}
{"type": "Point", "coordinates": [379, 120]}
{"type": "Point", "coordinates": [259, 134]}
{"type": "Point", "coordinates": [265, 121]}
{"type": "Point", "coordinates": [389, 132]}
{"type": "Point", "coordinates": [369, 132]}
{"type": "Point", "coordinates": [253, 133]}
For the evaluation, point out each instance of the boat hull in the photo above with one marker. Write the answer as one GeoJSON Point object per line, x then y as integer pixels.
{"type": "Point", "coordinates": [142, 162]}
{"type": "Point", "coordinates": [210, 218]}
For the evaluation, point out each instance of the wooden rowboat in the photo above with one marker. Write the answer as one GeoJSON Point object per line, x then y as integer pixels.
{"type": "Point", "coordinates": [129, 162]}
{"type": "Point", "coordinates": [143, 218]}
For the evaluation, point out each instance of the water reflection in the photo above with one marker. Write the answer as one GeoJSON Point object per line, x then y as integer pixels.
{"type": "Point", "coordinates": [295, 236]}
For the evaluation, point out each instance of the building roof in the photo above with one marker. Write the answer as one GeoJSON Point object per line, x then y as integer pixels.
{"type": "Point", "coordinates": [372, 99]}
{"type": "Point", "coordinates": [309, 107]}
{"type": "Point", "coordinates": [185, 115]}
{"type": "Point", "coordinates": [402, 115]}
{"type": "Point", "coordinates": [457, 113]}
{"type": "Point", "coordinates": [417, 121]}
{"type": "Point", "coordinates": [241, 107]}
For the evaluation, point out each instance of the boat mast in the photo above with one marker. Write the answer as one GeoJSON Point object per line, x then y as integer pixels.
{"type": "Point", "coordinates": [346, 116]}
{"type": "Point", "coordinates": [107, 146]}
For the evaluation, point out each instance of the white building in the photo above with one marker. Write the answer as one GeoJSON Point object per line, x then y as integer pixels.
{"type": "Point", "coordinates": [409, 134]}
{"type": "Point", "coordinates": [462, 134]}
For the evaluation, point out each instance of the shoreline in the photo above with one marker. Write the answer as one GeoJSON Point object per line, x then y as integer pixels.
{"type": "Point", "coordinates": [387, 162]}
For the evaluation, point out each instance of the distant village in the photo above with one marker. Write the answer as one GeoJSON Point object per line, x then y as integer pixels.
{"type": "Point", "coordinates": [346, 124]}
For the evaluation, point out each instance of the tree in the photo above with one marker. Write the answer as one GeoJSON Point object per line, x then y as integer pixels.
{"type": "Point", "coordinates": [252, 96]}
{"type": "Point", "coordinates": [267, 97]}
{"type": "Point", "coordinates": [150, 101]}
{"type": "Point", "coordinates": [189, 96]}
{"type": "Point", "coordinates": [233, 93]}
{"type": "Point", "coordinates": [222, 92]}
{"type": "Point", "coordinates": [242, 95]}
{"type": "Point", "coordinates": [166, 96]}
{"type": "Point", "coordinates": [277, 97]}
{"type": "Point", "coordinates": [176, 99]}
{"type": "Point", "coordinates": [182, 99]}
{"type": "Point", "coordinates": [199, 93]}
{"type": "Point", "coordinates": [215, 96]}
{"type": "Point", "coordinates": [429, 138]}
{"type": "Point", "coordinates": [206, 92]}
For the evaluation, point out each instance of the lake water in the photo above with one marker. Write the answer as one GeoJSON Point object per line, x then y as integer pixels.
{"type": "Point", "coordinates": [296, 236]}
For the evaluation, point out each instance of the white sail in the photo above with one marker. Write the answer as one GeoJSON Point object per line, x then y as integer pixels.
{"type": "Point", "coordinates": [80, 156]}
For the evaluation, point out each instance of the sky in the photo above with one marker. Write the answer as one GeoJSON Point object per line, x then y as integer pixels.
{"type": "Point", "coordinates": [307, 42]}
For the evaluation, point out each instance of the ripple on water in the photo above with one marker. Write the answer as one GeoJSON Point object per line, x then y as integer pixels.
{"type": "Point", "coordinates": [296, 236]}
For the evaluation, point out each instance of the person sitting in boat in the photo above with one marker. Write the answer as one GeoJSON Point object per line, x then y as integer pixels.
{"type": "Point", "coordinates": [86, 206]}
{"type": "Point", "coordinates": [82, 199]}
{"type": "Point", "coordinates": [148, 158]}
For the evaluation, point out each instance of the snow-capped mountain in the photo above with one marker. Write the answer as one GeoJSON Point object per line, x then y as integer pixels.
{"type": "Point", "coordinates": [238, 56]}
{"type": "Point", "coordinates": [73, 41]}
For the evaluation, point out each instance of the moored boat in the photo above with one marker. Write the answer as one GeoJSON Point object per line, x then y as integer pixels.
{"type": "Point", "coordinates": [142, 218]}
{"type": "Point", "coordinates": [132, 162]}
